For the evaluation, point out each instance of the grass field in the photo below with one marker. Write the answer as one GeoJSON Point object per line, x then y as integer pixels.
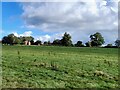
{"type": "Point", "coordinates": [59, 67]}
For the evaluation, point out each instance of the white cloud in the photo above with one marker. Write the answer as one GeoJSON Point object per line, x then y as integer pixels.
{"type": "Point", "coordinates": [16, 34]}
{"type": "Point", "coordinates": [47, 37]}
{"type": "Point", "coordinates": [80, 18]}
{"type": "Point", "coordinates": [44, 38]}
{"type": "Point", "coordinates": [27, 33]}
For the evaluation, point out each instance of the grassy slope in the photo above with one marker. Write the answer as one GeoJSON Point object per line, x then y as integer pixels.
{"type": "Point", "coordinates": [59, 67]}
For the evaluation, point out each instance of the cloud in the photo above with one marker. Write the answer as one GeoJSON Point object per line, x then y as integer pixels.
{"type": "Point", "coordinates": [78, 18]}
{"type": "Point", "coordinates": [47, 37]}
{"type": "Point", "coordinates": [27, 33]}
{"type": "Point", "coordinates": [43, 38]}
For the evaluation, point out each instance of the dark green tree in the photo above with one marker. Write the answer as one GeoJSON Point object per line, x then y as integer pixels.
{"type": "Point", "coordinates": [21, 40]}
{"type": "Point", "coordinates": [45, 43]}
{"type": "Point", "coordinates": [97, 39]}
{"type": "Point", "coordinates": [10, 39]}
{"type": "Point", "coordinates": [17, 40]}
{"type": "Point", "coordinates": [5, 40]}
{"type": "Point", "coordinates": [79, 44]}
{"type": "Point", "coordinates": [57, 42]}
{"type": "Point", "coordinates": [88, 44]}
{"type": "Point", "coordinates": [49, 43]}
{"type": "Point", "coordinates": [109, 45]}
{"type": "Point", "coordinates": [28, 38]}
{"type": "Point", "coordinates": [117, 43]}
{"type": "Point", "coordinates": [66, 40]}
{"type": "Point", "coordinates": [38, 42]}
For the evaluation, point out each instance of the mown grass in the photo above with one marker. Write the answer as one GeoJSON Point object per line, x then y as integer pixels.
{"type": "Point", "coordinates": [59, 67]}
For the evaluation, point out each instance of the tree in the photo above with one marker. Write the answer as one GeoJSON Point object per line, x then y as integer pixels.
{"type": "Point", "coordinates": [97, 39]}
{"type": "Point", "coordinates": [79, 44]}
{"type": "Point", "coordinates": [45, 43]}
{"type": "Point", "coordinates": [66, 40]}
{"type": "Point", "coordinates": [88, 44]}
{"type": "Point", "coordinates": [49, 43]}
{"type": "Point", "coordinates": [17, 40]}
{"type": "Point", "coordinates": [56, 42]}
{"type": "Point", "coordinates": [38, 42]}
{"type": "Point", "coordinates": [5, 40]}
{"type": "Point", "coordinates": [109, 45]}
{"type": "Point", "coordinates": [10, 39]}
{"type": "Point", "coordinates": [21, 40]}
{"type": "Point", "coordinates": [28, 38]}
{"type": "Point", "coordinates": [117, 43]}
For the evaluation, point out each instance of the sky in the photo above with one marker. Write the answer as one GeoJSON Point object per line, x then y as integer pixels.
{"type": "Point", "coordinates": [50, 20]}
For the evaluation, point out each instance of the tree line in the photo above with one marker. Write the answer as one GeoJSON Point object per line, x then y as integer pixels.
{"type": "Point", "coordinates": [96, 40]}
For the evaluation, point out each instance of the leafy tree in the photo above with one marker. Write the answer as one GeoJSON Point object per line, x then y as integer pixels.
{"type": "Point", "coordinates": [38, 42]}
{"type": "Point", "coordinates": [45, 43]}
{"type": "Point", "coordinates": [5, 40]}
{"type": "Point", "coordinates": [56, 42]}
{"type": "Point", "coordinates": [10, 39]}
{"type": "Point", "coordinates": [66, 40]}
{"type": "Point", "coordinates": [49, 43]}
{"type": "Point", "coordinates": [28, 38]}
{"type": "Point", "coordinates": [109, 45]}
{"type": "Point", "coordinates": [117, 43]}
{"type": "Point", "coordinates": [97, 39]}
{"type": "Point", "coordinates": [21, 40]}
{"type": "Point", "coordinates": [88, 44]}
{"type": "Point", "coordinates": [79, 44]}
{"type": "Point", "coordinates": [17, 40]}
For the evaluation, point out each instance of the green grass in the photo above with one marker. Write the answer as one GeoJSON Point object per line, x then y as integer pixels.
{"type": "Point", "coordinates": [59, 67]}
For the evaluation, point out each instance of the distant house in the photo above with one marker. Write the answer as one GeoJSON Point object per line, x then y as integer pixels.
{"type": "Point", "coordinates": [27, 43]}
